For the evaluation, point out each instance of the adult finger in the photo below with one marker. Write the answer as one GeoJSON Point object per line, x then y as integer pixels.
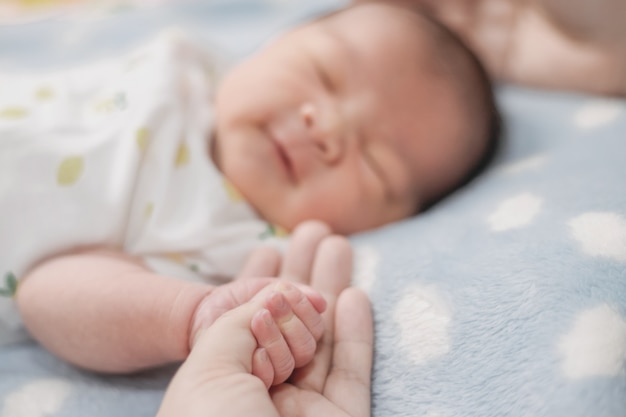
{"type": "Point", "coordinates": [234, 326]}
{"type": "Point", "coordinates": [223, 299]}
{"type": "Point", "coordinates": [263, 262]}
{"type": "Point", "coordinates": [331, 275]}
{"type": "Point", "coordinates": [347, 390]}
{"type": "Point", "coordinates": [349, 380]}
{"type": "Point", "coordinates": [332, 270]}
{"type": "Point", "coordinates": [223, 351]}
{"type": "Point", "coordinates": [305, 239]}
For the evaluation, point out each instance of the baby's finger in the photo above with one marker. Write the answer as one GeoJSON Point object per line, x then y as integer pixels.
{"type": "Point", "coordinates": [298, 261]}
{"type": "Point", "coordinates": [262, 367]}
{"type": "Point", "coordinates": [301, 342]}
{"type": "Point", "coordinates": [263, 262]}
{"type": "Point", "coordinates": [315, 297]}
{"type": "Point", "coordinates": [268, 336]}
{"type": "Point", "coordinates": [306, 304]}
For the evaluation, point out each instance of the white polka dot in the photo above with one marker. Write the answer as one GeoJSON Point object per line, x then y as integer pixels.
{"type": "Point", "coordinates": [435, 413]}
{"type": "Point", "coordinates": [601, 234]}
{"type": "Point", "coordinates": [514, 212]}
{"type": "Point", "coordinates": [40, 398]}
{"type": "Point", "coordinates": [596, 344]}
{"type": "Point", "coordinates": [424, 321]}
{"type": "Point", "coordinates": [597, 113]}
{"type": "Point", "coordinates": [366, 261]}
{"type": "Point", "coordinates": [525, 164]}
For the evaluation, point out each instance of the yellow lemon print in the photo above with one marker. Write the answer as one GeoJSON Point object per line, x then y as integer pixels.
{"type": "Point", "coordinates": [103, 106]}
{"type": "Point", "coordinates": [13, 113]}
{"type": "Point", "coordinates": [110, 104]}
{"type": "Point", "coordinates": [142, 136]}
{"type": "Point", "coordinates": [70, 170]}
{"type": "Point", "coordinates": [233, 194]}
{"type": "Point", "coordinates": [279, 231]}
{"type": "Point", "coordinates": [179, 258]}
{"type": "Point", "coordinates": [182, 155]}
{"type": "Point", "coordinates": [148, 210]}
{"type": "Point", "coordinates": [44, 94]}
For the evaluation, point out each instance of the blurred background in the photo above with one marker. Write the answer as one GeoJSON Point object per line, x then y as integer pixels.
{"type": "Point", "coordinates": [41, 34]}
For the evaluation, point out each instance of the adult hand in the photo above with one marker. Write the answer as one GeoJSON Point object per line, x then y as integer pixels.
{"type": "Point", "coordinates": [213, 381]}
{"type": "Point", "coordinates": [337, 381]}
{"type": "Point", "coordinates": [297, 264]}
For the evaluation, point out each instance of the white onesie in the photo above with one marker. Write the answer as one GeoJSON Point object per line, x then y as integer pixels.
{"type": "Point", "coordinates": [117, 155]}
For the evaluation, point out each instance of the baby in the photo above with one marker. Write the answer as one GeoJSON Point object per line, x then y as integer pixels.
{"type": "Point", "coordinates": [354, 127]}
{"type": "Point", "coordinates": [112, 177]}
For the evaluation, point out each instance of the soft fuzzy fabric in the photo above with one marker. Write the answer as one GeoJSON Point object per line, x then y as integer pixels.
{"type": "Point", "coordinates": [506, 299]}
{"type": "Point", "coordinates": [509, 298]}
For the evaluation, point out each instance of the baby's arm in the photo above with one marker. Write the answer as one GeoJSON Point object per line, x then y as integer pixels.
{"type": "Point", "coordinates": [105, 311]}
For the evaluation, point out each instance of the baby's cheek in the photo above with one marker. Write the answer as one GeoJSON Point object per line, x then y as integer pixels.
{"type": "Point", "coordinates": [331, 208]}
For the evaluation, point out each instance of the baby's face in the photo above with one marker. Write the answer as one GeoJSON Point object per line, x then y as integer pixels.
{"type": "Point", "coordinates": [336, 121]}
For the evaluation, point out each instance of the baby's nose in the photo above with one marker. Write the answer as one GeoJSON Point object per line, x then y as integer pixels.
{"type": "Point", "coordinates": [324, 131]}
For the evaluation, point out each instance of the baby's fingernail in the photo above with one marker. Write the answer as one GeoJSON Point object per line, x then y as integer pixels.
{"type": "Point", "coordinates": [284, 287]}
{"type": "Point", "coordinates": [262, 355]}
{"type": "Point", "coordinates": [267, 317]}
{"type": "Point", "coordinates": [323, 304]}
{"type": "Point", "coordinates": [277, 301]}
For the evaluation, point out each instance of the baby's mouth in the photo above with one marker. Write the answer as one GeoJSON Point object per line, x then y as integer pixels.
{"type": "Point", "coordinates": [283, 156]}
{"type": "Point", "coordinates": [285, 159]}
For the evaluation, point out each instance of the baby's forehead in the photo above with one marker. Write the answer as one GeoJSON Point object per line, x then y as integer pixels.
{"type": "Point", "coordinates": [371, 16]}
{"type": "Point", "coordinates": [381, 28]}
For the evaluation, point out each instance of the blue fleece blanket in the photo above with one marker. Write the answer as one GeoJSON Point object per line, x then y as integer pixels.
{"type": "Point", "coordinates": [506, 299]}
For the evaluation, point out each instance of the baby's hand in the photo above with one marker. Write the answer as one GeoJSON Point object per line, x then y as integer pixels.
{"type": "Point", "coordinates": [288, 341]}
{"type": "Point", "coordinates": [299, 320]}
{"type": "Point", "coordinates": [287, 332]}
